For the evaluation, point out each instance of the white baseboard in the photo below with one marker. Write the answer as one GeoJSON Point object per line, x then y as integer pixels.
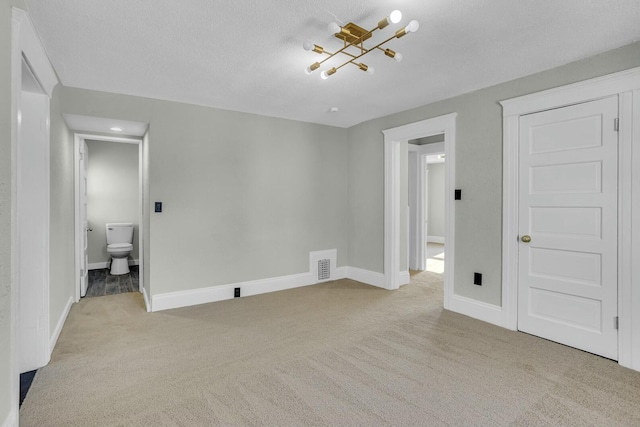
{"type": "Point", "coordinates": [12, 417]}
{"type": "Point", "coordinates": [477, 309]}
{"type": "Point", "coordinates": [365, 276]}
{"type": "Point", "coordinates": [100, 265]}
{"type": "Point", "coordinates": [56, 333]}
{"type": "Point", "coordinates": [146, 299]}
{"type": "Point", "coordinates": [404, 277]}
{"type": "Point", "coordinates": [223, 292]}
{"type": "Point", "coordinates": [435, 239]}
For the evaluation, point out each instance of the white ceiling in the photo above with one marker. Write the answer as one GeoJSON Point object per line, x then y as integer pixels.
{"type": "Point", "coordinates": [247, 55]}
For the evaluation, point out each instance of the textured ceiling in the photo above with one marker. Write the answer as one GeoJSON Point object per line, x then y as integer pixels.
{"type": "Point", "coordinates": [247, 55]}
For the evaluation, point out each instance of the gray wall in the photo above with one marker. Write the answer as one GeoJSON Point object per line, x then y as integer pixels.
{"type": "Point", "coordinates": [112, 194]}
{"type": "Point", "coordinates": [478, 221]}
{"type": "Point", "coordinates": [435, 203]}
{"type": "Point", "coordinates": [62, 231]}
{"type": "Point", "coordinates": [245, 196]}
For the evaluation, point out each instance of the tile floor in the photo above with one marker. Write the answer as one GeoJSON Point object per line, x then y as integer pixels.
{"type": "Point", "coordinates": [101, 282]}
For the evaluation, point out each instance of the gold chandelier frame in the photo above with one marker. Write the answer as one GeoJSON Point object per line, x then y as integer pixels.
{"type": "Point", "coordinates": [353, 35]}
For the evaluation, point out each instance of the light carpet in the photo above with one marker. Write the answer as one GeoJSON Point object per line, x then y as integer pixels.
{"type": "Point", "coordinates": [340, 353]}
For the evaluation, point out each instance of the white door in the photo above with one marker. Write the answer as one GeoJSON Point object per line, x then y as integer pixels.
{"type": "Point", "coordinates": [84, 223]}
{"type": "Point", "coordinates": [32, 231]}
{"type": "Point", "coordinates": [567, 276]}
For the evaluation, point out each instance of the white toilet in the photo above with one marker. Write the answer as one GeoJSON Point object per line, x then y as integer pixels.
{"type": "Point", "coordinates": [119, 246]}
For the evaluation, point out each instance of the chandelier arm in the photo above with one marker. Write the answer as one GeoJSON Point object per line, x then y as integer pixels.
{"type": "Point", "coordinates": [367, 51]}
{"type": "Point", "coordinates": [354, 43]}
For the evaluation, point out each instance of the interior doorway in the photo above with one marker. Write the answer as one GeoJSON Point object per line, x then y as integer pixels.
{"type": "Point", "coordinates": [84, 227]}
{"type": "Point", "coordinates": [395, 142]}
{"type": "Point", "coordinates": [427, 189]}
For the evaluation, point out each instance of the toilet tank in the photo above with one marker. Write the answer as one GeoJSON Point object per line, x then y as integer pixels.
{"type": "Point", "coordinates": [119, 232]}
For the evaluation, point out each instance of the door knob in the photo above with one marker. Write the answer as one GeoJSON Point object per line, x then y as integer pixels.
{"type": "Point", "coordinates": [89, 229]}
{"type": "Point", "coordinates": [526, 238]}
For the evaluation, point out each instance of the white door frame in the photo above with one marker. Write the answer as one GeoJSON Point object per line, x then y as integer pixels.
{"type": "Point", "coordinates": [26, 44]}
{"type": "Point", "coordinates": [78, 140]}
{"type": "Point", "coordinates": [626, 85]}
{"type": "Point", "coordinates": [419, 261]}
{"type": "Point", "coordinates": [393, 139]}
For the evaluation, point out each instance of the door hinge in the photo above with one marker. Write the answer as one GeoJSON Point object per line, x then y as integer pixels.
{"type": "Point", "coordinates": [616, 322]}
{"type": "Point", "coordinates": [616, 124]}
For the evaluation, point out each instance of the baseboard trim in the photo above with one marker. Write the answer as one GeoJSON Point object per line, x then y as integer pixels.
{"type": "Point", "coordinates": [12, 417]}
{"type": "Point", "coordinates": [477, 309]}
{"type": "Point", "coordinates": [178, 299]}
{"type": "Point", "coordinates": [63, 318]}
{"type": "Point", "coordinates": [404, 278]}
{"type": "Point", "coordinates": [146, 299]}
{"type": "Point", "coordinates": [435, 239]}
{"type": "Point", "coordinates": [366, 276]}
{"type": "Point", "coordinates": [100, 265]}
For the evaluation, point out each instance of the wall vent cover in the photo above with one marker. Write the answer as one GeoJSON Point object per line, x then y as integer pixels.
{"type": "Point", "coordinates": [324, 269]}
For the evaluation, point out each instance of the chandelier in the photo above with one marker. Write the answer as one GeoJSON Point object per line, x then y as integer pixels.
{"type": "Point", "coordinates": [354, 36]}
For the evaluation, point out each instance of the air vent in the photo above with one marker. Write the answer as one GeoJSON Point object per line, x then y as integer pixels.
{"type": "Point", "coordinates": [324, 269]}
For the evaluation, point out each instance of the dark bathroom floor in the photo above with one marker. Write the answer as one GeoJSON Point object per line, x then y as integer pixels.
{"type": "Point", "coordinates": [101, 282]}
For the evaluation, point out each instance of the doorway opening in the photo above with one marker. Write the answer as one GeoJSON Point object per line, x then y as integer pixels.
{"type": "Point", "coordinates": [436, 132]}
{"type": "Point", "coordinates": [427, 220]}
{"type": "Point", "coordinates": [112, 198]}
{"type": "Point", "coordinates": [436, 220]}
{"type": "Point", "coordinates": [108, 190]}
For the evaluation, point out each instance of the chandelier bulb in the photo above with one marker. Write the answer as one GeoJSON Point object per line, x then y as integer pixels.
{"type": "Point", "coordinates": [398, 57]}
{"type": "Point", "coordinates": [307, 45]}
{"type": "Point", "coordinates": [395, 16]}
{"type": "Point", "coordinates": [324, 75]}
{"type": "Point", "coordinates": [371, 70]}
{"type": "Point", "coordinates": [308, 70]}
{"type": "Point", "coordinates": [412, 27]}
{"type": "Point", "coordinates": [334, 28]}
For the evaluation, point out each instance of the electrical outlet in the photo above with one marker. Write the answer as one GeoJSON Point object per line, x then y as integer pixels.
{"type": "Point", "coordinates": [477, 279]}
{"type": "Point", "coordinates": [457, 195]}
{"type": "Point", "coordinates": [236, 292]}
{"type": "Point", "coordinates": [158, 206]}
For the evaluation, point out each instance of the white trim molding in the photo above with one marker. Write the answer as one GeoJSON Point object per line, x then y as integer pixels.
{"type": "Point", "coordinates": [12, 418]}
{"type": "Point", "coordinates": [404, 277]}
{"type": "Point", "coordinates": [625, 85]}
{"type": "Point", "coordinates": [209, 294]}
{"type": "Point", "coordinates": [392, 143]}
{"type": "Point", "coordinates": [147, 304]}
{"type": "Point", "coordinates": [63, 318]}
{"type": "Point", "coordinates": [367, 277]}
{"type": "Point", "coordinates": [31, 48]}
{"type": "Point", "coordinates": [25, 45]}
{"type": "Point", "coordinates": [477, 309]}
{"type": "Point", "coordinates": [78, 140]}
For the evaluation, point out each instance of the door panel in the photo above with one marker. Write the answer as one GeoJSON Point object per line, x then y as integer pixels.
{"type": "Point", "coordinates": [84, 261]}
{"type": "Point", "coordinates": [567, 280]}
{"type": "Point", "coordinates": [32, 228]}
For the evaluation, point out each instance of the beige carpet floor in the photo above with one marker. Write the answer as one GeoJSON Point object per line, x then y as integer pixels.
{"type": "Point", "coordinates": [340, 353]}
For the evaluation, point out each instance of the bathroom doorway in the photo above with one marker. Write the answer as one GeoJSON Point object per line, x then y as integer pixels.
{"type": "Point", "coordinates": [427, 219]}
{"type": "Point", "coordinates": [109, 188]}
{"type": "Point", "coordinates": [112, 197]}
